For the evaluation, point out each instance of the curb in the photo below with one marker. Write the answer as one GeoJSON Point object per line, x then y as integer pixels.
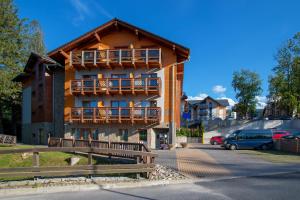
{"type": "Point", "coordinates": [87, 187]}
{"type": "Point", "coordinates": [142, 183]}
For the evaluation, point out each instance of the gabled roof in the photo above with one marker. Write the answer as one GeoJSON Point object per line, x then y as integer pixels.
{"type": "Point", "coordinates": [180, 50]}
{"type": "Point", "coordinates": [221, 102]}
{"type": "Point", "coordinates": [33, 58]}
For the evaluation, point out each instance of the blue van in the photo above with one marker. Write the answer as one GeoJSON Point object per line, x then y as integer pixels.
{"type": "Point", "coordinates": [249, 139]}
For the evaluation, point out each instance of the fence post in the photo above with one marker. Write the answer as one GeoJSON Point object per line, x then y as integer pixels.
{"type": "Point", "coordinates": [36, 159]}
{"type": "Point", "coordinates": [60, 142]}
{"type": "Point", "coordinates": [138, 160]}
{"type": "Point", "coordinates": [90, 159]}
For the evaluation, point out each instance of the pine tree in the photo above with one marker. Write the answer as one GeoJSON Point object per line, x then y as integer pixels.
{"type": "Point", "coordinates": [18, 39]}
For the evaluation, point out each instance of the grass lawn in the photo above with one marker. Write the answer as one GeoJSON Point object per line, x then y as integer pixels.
{"type": "Point", "coordinates": [274, 156]}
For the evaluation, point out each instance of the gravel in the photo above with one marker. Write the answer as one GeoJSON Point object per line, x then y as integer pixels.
{"type": "Point", "coordinates": [160, 173]}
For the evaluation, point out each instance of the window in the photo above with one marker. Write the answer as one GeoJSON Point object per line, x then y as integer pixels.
{"type": "Point", "coordinates": [122, 104]}
{"type": "Point", "coordinates": [153, 54]}
{"type": "Point", "coordinates": [125, 84]}
{"type": "Point", "coordinates": [152, 79]}
{"type": "Point", "coordinates": [89, 104]}
{"type": "Point", "coordinates": [123, 134]}
{"type": "Point", "coordinates": [143, 135]}
{"type": "Point", "coordinates": [88, 108]}
{"type": "Point", "coordinates": [89, 56]}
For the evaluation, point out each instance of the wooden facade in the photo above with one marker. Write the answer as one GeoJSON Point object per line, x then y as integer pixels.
{"type": "Point", "coordinates": [119, 74]}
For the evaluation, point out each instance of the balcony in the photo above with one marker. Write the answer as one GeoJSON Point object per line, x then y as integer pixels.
{"type": "Point", "coordinates": [109, 58]}
{"type": "Point", "coordinates": [116, 86]}
{"type": "Point", "coordinates": [115, 115]}
{"type": "Point", "coordinates": [203, 106]}
{"type": "Point", "coordinates": [203, 112]}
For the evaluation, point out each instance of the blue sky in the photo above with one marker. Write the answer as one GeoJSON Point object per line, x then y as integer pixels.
{"type": "Point", "coordinates": [223, 35]}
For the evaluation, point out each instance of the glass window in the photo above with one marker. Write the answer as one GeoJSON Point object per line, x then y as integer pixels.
{"type": "Point", "coordinates": [123, 133]}
{"type": "Point", "coordinates": [89, 104]}
{"type": "Point", "coordinates": [143, 135]}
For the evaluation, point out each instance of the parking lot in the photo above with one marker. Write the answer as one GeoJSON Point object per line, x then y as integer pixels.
{"type": "Point", "coordinates": [211, 161]}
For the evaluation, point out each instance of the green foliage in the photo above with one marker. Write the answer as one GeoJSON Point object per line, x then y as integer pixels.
{"type": "Point", "coordinates": [284, 84]}
{"type": "Point", "coordinates": [188, 132]}
{"type": "Point", "coordinates": [18, 38]}
{"type": "Point", "coordinates": [247, 85]}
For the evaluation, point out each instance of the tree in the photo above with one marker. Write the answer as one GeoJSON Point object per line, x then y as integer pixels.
{"type": "Point", "coordinates": [17, 39]}
{"type": "Point", "coordinates": [11, 57]}
{"type": "Point", "coordinates": [284, 84]}
{"type": "Point", "coordinates": [247, 86]}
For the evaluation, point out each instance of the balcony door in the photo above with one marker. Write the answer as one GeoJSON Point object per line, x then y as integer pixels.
{"type": "Point", "coordinates": [125, 84]}
{"type": "Point", "coordinates": [150, 112]}
{"type": "Point", "coordinates": [88, 82]}
{"type": "Point", "coordinates": [152, 81]}
{"type": "Point", "coordinates": [88, 108]}
{"type": "Point", "coordinates": [123, 104]}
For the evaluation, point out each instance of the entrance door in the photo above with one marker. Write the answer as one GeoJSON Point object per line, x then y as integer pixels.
{"type": "Point", "coordinates": [162, 139]}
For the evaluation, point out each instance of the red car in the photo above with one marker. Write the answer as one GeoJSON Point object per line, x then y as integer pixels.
{"type": "Point", "coordinates": [216, 140]}
{"type": "Point", "coordinates": [277, 134]}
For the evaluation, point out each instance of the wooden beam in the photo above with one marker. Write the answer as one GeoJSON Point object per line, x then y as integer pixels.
{"type": "Point", "coordinates": [64, 54]}
{"type": "Point", "coordinates": [117, 26]}
{"type": "Point", "coordinates": [97, 37]}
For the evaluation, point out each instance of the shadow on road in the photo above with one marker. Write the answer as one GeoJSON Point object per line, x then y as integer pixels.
{"type": "Point", "coordinates": [126, 194]}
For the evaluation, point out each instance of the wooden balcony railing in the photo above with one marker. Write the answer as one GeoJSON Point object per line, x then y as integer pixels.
{"type": "Point", "coordinates": [116, 86]}
{"type": "Point", "coordinates": [116, 57]}
{"type": "Point", "coordinates": [115, 115]}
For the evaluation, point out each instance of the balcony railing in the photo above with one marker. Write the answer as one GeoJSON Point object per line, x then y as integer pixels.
{"type": "Point", "coordinates": [116, 86]}
{"type": "Point", "coordinates": [115, 115]}
{"type": "Point", "coordinates": [116, 57]}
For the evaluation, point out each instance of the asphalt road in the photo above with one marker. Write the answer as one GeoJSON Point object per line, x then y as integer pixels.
{"type": "Point", "coordinates": [273, 187]}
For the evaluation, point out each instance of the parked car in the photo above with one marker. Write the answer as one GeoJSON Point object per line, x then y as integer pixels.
{"type": "Point", "coordinates": [216, 140]}
{"type": "Point", "coordinates": [295, 135]}
{"type": "Point", "coordinates": [277, 134]}
{"type": "Point", "coordinates": [249, 139]}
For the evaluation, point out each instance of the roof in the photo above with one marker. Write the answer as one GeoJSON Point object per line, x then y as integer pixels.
{"type": "Point", "coordinates": [181, 50]}
{"type": "Point", "coordinates": [33, 58]}
{"type": "Point", "coordinates": [222, 102]}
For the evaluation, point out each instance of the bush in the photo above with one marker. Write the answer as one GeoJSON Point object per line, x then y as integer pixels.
{"type": "Point", "coordinates": [183, 144]}
{"type": "Point", "coordinates": [188, 132]}
{"type": "Point", "coordinates": [170, 146]}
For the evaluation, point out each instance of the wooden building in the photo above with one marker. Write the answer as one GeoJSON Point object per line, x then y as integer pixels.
{"type": "Point", "coordinates": [119, 83]}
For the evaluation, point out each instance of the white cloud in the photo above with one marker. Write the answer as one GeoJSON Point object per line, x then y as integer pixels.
{"type": "Point", "coordinates": [261, 102]}
{"type": "Point", "coordinates": [219, 89]}
{"type": "Point", "coordinates": [198, 97]}
{"type": "Point", "coordinates": [82, 10]}
{"type": "Point", "coordinates": [87, 9]}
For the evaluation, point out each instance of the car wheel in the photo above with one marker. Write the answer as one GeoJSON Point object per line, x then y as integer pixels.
{"type": "Point", "coordinates": [232, 147]}
{"type": "Point", "coordinates": [264, 147]}
{"type": "Point", "coordinates": [215, 143]}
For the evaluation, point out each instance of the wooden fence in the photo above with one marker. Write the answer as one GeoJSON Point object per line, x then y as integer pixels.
{"type": "Point", "coordinates": [288, 145]}
{"type": "Point", "coordinates": [8, 139]}
{"type": "Point", "coordinates": [144, 163]}
{"type": "Point", "coordinates": [64, 142]}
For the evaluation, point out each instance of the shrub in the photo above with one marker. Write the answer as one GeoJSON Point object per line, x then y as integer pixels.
{"type": "Point", "coordinates": [183, 144]}
{"type": "Point", "coordinates": [170, 146]}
